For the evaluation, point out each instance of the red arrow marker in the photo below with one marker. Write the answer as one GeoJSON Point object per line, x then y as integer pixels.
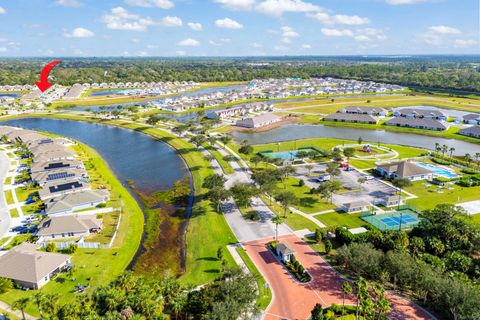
{"type": "Point", "coordinates": [43, 84]}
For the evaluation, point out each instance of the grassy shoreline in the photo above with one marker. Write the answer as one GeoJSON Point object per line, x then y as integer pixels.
{"type": "Point", "coordinates": [97, 266]}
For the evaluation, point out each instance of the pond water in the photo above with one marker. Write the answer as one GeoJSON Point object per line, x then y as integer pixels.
{"type": "Point", "coordinates": [149, 163]}
{"type": "Point", "coordinates": [13, 95]}
{"type": "Point", "coordinates": [296, 132]}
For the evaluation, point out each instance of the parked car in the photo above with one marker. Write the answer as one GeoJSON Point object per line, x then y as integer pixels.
{"type": "Point", "coordinates": [369, 177]}
{"type": "Point", "coordinates": [323, 178]}
{"type": "Point", "coordinates": [349, 168]}
{"type": "Point", "coordinates": [344, 165]}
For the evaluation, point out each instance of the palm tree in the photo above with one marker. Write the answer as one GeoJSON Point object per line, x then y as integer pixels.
{"type": "Point", "coordinates": [277, 220]}
{"type": "Point", "coordinates": [444, 149]}
{"type": "Point", "coordinates": [346, 291]}
{"type": "Point", "coordinates": [467, 158]}
{"type": "Point", "coordinates": [477, 159]}
{"type": "Point", "coordinates": [452, 150]}
{"type": "Point", "coordinates": [437, 147]}
{"type": "Point", "coordinates": [21, 304]}
{"type": "Point", "coordinates": [40, 300]}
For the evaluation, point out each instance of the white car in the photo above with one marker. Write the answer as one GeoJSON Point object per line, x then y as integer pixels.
{"type": "Point", "coordinates": [369, 178]}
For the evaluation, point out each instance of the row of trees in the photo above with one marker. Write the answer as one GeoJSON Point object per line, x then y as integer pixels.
{"type": "Point", "coordinates": [130, 296]}
{"type": "Point", "coordinates": [431, 72]}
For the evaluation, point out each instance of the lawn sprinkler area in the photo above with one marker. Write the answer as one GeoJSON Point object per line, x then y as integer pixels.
{"type": "Point", "coordinates": [392, 220]}
{"type": "Point", "coordinates": [439, 171]}
{"type": "Point", "coordinates": [291, 154]}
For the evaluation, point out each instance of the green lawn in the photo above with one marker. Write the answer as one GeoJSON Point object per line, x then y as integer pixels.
{"type": "Point", "coordinates": [207, 230]}
{"type": "Point", "coordinates": [9, 197]}
{"type": "Point", "coordinates": [14, 213]}
{"type": "Point", "coordinates": [3, 240]}
{"type": "Point", "coordinates": [265, 294]}
{"type": "Point", "coordinates": [8, 180]}
{"type": "Point", "coordinates": [428, 198]}
{"type": "Point", "coordinates": [308, 203]}
{"type": "Point", "coordinates": [24, 192]}
{"type": "Point", "coordinates": [335, 219]}
{"type": "Point", "coordinates": [294, 221]}
{"type": "Point", "coordinates": [226, 167]}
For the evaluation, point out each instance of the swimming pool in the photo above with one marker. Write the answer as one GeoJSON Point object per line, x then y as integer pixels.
{"type": "Point", "coordinates": [449, 174]}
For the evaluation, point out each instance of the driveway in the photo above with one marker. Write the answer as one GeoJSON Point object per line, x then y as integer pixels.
{"type": "Point", "coordinates": [4, 212]}
{"type": "Point", "coordinates": [293, 300]}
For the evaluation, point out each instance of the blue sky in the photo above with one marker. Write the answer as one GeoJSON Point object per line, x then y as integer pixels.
{"type": "Point", "coordinates": [237, 27]}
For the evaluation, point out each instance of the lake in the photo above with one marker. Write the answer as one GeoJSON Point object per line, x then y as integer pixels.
{"type": "Point", "coordinates": [296, 132]}
{"type": "Point", "coordinates": [149, 163]}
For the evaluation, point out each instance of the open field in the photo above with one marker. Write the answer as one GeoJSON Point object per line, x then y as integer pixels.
{"type": "Point", "coordinates": [326, 106]}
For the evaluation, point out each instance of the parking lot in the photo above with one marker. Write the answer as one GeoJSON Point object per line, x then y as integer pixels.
{"type": "Point", "coordinates": [370, 191]}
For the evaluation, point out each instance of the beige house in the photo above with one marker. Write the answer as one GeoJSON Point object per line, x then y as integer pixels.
{"type": "Point", "coordinates": [404, 169]}
{"type": "Point", "coordinates": [69, 203]}
{"type": "Point", "coordinates": [30, 268]}
{"type": "Point", "coordinates": [355, 206]}
{"type": "Point", "coordinates": [68, 227]}
{"type": "Point", "coordinates": [258, 121]}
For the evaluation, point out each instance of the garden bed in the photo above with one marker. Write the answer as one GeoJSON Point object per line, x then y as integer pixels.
{"type": "Point", "coordinates": [294, 267]}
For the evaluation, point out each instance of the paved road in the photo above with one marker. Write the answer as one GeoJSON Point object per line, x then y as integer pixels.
{"type": "Point", "coordinates": [294, 300]}
{"type": "Point", "coordinates": [4, 212]}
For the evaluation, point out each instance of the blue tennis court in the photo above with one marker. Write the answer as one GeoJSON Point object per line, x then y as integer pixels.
{"type": "Point", "coordinates": [392, 220]}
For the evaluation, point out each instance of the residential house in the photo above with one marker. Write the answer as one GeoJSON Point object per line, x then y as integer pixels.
{"type": "Point", "coordinates": [471, 132]}
{"type": "Point", "coordinates": [472, 118]}
{"type": "Point", "coordinates": [54, 155]}
{"type": "Point", "coordinates": [418, 123]}
{"type": "Point", "coordinates": [55, 165]}
{"type": "Point", "coordinates": [420, 113]}
{"type": "Point", "coordinates": [44, 177]}
{"type": "Point", "coordinates": [351, 117]}
{"type": "Point", "coordinates": [284, 252]}
{"type": "Point", "coordinates": [30, 268]}
{"type": "Point", "coordinates": [59, 188]}
{"type": "Point", "coordinates": [404, 170]}
{"type": "Point", "coordinates": [258, 121]}
{"type": "Point", "coordinates": [373, 111]}
{"type": "Point", "coordinates": [69, 203]}
{"type": "Point", "coordinates": [70, 226]}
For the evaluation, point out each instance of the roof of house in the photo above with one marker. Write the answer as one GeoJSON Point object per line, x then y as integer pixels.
{"type": "Point", "coordinates": [69, 201]}
{"type": "Point", "coordinates": [25, 263]}
{"type": "Point", "coordinates": [53, 154]}
{"type": "Point", "coordinates": [55, 164]}
{"type": "Point", "coordinates": [350, 117]}
{"type": "Point", "coordinates": [471, 116]}
{"type": "Point", "coordinates": [356, 204]}
{"type": "Point", "coordinates": [403, 169]}
{"type": "Point", "coordinates": [58, 174]}
{"type": "Point", "coordinates": [471, 130]}
{"type": "Point", "coordinates": [284, 249]}
{"type": "Point", "coordinates": [51, 188]}
{"type": "Point", "coordinates": [266, 117]}
{"type": "Point", "coordinates": [421, 112]}
{"type": "Point", "coordinates": [416, 122]}
{"type": "Point", "coordinates": [364, 109]}
{"type": "Point", "coordinates": [5, 130]}
{"type": "Point", "coordinates": [67, 224]}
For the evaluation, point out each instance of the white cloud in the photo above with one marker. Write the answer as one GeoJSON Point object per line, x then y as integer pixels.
{"type": "Point", "coordinates": [121, 19]}
{"type": "Point", "coordinates": [2, 10]}
{"type": "Point", "coordinates": [236, 4]}
{"type": "Point", "coordinates": [278, 7]}
{"type": "Point", "coordinates": [228, 23]}
{"type": "Point", "coordinates": [79, 33]}
{"type": "Point", "coordinates": [49, 52]}
{"type": "Point", "coordinates": [461, 43]}
{"type": "Point", "coordinates": [256, 45]}
{"type": "Point", "coordinates": [169, 21]}
{"type": "Point", "coordinates": [69, 3]}
{"type": "Point", "coordinates": [326, 18]}
{"type": "Point", "coordinates": [287, 34]}
{"type": "Point", "coordinates": [213, 43]}
{"type": "Point", "coordinates": [337, 32]}
{"type": "Point", "coordinates": [306, 46]}
{"type": "Point", "coordinates": [195, 26]}
{"type": "Point", "coordinates": [3, 49]}
{"type": "Point", "coordinates": [189, 42]}
{"type": "Point", "coordinates": [444, 30]}
{"type": "Point", "coordinates": [163, 4]}
{"type": "Point", "coordinates": [141, 53]}
{"type": "Point", "coordinates": [362, 38]}
{"type": "Point", "coordinates": [369, 34]}
{"type": "Point", "coordinates": [399, 2]}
